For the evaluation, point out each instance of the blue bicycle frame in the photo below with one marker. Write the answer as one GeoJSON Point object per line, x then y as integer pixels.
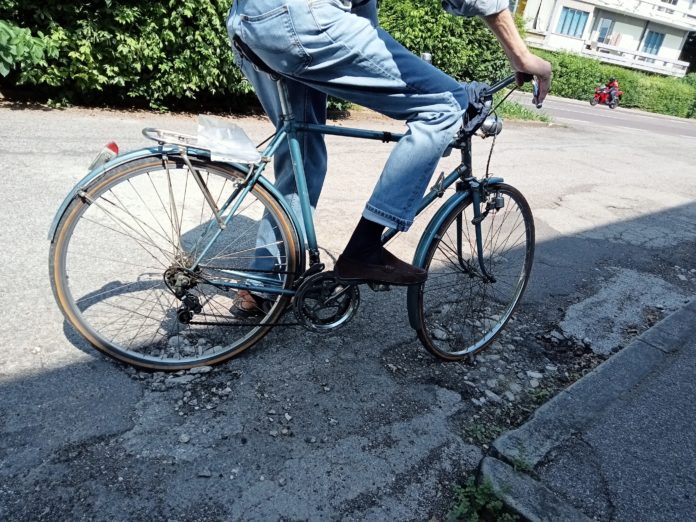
{"type": "Point", "coordinates": [467, 186]}
{"type": "Point", "coordinates": [289, 132]}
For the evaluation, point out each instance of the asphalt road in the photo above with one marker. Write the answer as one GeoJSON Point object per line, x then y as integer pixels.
{"type": "Point", "coordinates": [575, 112]}
{"type": "Point", "coordinates": [375, 427]}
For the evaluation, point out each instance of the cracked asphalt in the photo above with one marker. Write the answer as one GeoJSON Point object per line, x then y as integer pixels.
{"type": "Point", "coordinates": [361, 424]}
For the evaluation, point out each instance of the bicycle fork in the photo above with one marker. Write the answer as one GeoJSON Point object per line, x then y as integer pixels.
{"type": "Point", "coordinates": [477, 189]}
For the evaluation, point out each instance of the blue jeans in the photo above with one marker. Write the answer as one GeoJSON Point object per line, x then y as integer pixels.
{"type": "Point", "coordinates": [334, 47]}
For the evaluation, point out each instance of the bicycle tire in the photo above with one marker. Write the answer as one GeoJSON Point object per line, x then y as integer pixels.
{"type": "Point", "coordinates": [460, 313]}
{"type": "Point", "coordinates": [113, 245]}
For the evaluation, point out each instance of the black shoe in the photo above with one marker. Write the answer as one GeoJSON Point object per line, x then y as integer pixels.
{"type": "Point", "coordinates": [392, 271]}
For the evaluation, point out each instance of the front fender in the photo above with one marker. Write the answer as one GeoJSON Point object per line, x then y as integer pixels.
{"type": "Point", "coordinates": [419, 258]}
{"type": "Point", "coordinates": [116, 162]}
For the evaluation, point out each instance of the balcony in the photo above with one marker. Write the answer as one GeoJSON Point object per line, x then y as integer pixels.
{"type": "Point", "coordinates": [654, 10]}
{"type": "Point", "coordinates": [635, 59]}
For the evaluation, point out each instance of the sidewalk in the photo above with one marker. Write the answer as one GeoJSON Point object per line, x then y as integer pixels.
{"type": "Point", "coordinates": [618, 445]}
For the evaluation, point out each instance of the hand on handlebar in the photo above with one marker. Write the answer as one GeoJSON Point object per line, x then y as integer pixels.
{"type": "Point", "coordinates": [532, 65]}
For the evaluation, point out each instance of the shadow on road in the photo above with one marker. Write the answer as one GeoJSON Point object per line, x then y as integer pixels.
{"type": "Point", "coordinates": [360, 424]}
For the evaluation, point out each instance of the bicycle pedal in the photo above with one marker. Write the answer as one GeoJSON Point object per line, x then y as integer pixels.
{"type": "Point", "coordinates": [379, 287]}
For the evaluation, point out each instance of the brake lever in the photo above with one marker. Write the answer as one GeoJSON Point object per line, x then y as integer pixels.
{"type": "Point", "coordinates": [526, 77]}
{"type": "Point", "coordinates": [535, 93]}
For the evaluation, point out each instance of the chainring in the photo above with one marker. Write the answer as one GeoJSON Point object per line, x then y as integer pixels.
{"type": "Point", "coordinates": [323, 303]}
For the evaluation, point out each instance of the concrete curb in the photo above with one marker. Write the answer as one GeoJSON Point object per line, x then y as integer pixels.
{"type": "Point", "coordinates": [576, 408]}
{"type": "Point", "coordinates": [525, 496]}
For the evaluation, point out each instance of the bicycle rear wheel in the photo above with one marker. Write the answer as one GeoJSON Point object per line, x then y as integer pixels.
{"type": "Point", "coordinates": [130, 241]}
{"type": "Point", "coordinates": [461, 310]}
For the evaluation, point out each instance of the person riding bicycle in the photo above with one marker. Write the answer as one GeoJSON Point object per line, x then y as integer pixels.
{"type": "Point", "coordinates": [335, 47]}
{"type": "Point", "coordinates": [612, 87]}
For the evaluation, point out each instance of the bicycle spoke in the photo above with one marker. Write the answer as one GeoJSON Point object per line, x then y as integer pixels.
{"type": "Point", "coordinates": [142, 225]}
{"type": "Point", "coordinates": [149, 209]}
{"type": "Point", "coordinates": [140, 242]}
{"type": "Point", "coordinates": [463, 309]}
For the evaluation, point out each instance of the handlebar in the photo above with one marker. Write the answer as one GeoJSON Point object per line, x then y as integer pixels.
{"type": "Point", "coordinates": [499, 86]}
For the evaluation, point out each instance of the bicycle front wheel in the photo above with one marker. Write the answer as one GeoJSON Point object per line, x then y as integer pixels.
{"type": "Point", "coordinates": [141, 268]}
{"type": "Point", "coordinates": [463, 306]}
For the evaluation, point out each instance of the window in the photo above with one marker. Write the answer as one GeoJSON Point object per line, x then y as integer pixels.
{"type": "Point", "coordinates": [670, 2]}
{"type": "Point", "coordinates": [653, 42]}
{"type": "Point", "coordinates": [572, 22]}
{"type": "Point", "coordinates": [604, 30]}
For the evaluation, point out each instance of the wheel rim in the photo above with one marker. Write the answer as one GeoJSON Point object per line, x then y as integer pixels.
{"type": "Point", "coordinates": [112, 255]}
{"type": "Point", "coordinates": [461, 312]}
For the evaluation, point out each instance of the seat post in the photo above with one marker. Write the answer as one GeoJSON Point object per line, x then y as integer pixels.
{"type": "Point", "coordinates": [285, 108]}
{"type": "Point", "coordinates": [310, 236]}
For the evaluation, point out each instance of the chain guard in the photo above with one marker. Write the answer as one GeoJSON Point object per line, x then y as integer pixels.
{"type": "Point", "coordinates": [323, 304]}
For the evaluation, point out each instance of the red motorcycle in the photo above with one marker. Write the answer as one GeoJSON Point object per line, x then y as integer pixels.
{"type": "Point", "coordinates": [602, 96]}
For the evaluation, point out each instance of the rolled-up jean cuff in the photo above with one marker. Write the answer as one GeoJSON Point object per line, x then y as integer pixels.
{"type": "Point", "coordinates": [386, 219]}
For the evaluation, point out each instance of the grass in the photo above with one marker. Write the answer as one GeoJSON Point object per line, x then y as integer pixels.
{"type": "Point", "coordinates": [511, 110]}
{"type": "Point", "coordinates": [478, 503]}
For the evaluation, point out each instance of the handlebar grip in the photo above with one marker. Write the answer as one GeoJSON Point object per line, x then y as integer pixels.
{"type": "Point", "coordinates": [499, 86]}
{"type": "Point", "coordinates": [509, 81]}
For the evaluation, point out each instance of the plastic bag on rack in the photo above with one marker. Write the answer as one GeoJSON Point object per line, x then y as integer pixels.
{"type": "Point", "coordinates": [226, 141]}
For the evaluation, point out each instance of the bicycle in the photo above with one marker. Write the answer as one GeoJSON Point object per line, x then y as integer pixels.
{"type": "Point", "coordinates": [150, 250]}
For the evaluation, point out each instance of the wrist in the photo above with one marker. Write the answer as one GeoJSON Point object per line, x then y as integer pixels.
{"type": "Point", "coordinates": [519, 57]}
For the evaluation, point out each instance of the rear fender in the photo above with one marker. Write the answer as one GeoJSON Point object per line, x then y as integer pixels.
{"type": "Point", "coordinates": [118, 161]}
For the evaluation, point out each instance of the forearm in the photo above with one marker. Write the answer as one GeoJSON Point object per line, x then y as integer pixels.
{"type": "Point", "coordinates": [521, 59]}
{"type": "Point", "coordinates": [503, 27]}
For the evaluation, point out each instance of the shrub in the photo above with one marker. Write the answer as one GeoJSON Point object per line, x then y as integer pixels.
{"type": "Point", "coordinates": [176, 52]}
{"type": "Point", "coordinates": [160, 53]}
{"type": "Point", "coordinates": [690, 79]}
{"type": "Point", "coordinates": [155, 52]}
{"type": "Point", "coordinates": [18, 48]}
{"type": "Point", "coordinates": [575, 76]}
{"type": "Point", "coordinates": [664, 95]}
{"type": "Point", "coordinates": [462, 47]}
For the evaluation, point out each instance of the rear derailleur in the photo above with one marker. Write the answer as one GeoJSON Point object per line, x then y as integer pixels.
{"type": "Point", "coordinates": [180, 281]}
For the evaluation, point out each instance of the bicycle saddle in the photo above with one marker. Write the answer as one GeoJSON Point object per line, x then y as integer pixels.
{"type": "Point", "coordinates": [250, 55]}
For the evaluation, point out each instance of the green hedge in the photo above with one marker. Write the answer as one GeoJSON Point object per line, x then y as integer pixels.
{"type": "Point", "coordinates": [175, 53]}
{"type": "Point", "coordinates": [18, 48]}
{"type": "Point", "coordinates": [162, 54]}
{"type": "Point", "coordinates": [115, 51]}
{"type": "Point", "coordinates": [462, 47]}
{"type": "Point", "coordinates": [576, 77]}
{"type": "Point", "coordinates": [691, 80]}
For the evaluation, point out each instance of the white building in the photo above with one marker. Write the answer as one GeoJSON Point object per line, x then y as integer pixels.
{"type": "Point", "coordinates": [641, 34]}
